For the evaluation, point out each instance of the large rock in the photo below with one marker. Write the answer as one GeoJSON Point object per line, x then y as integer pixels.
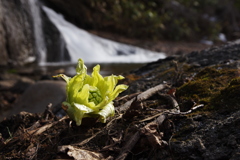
{"type": "Point", "coordinates": [17, 40]}
{"type": "Point", "coordinates": [76, 12]}
{"type": "Point", "coordinates": [27, 34]}
{"type": "Point", "coordinates": [39, 95]}
{"type": "Point", "coordinates": [3, 49]}
{"type": "Point", "coordinates": [209, 77]}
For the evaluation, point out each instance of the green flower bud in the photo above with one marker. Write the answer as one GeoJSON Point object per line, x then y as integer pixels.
{"type": "Point", "coordinates": [90, 96]}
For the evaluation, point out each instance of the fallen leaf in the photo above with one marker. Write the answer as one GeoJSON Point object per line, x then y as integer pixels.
{"type": "Point", "coordinates": [79, 154]}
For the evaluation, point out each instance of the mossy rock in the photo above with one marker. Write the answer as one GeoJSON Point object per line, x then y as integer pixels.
{"type": "Point", "coordinates": [229, 98]}
{"type": "Point", "coordinates": [204, 87]}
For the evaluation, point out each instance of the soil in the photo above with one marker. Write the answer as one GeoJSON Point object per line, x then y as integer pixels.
{"type": "Point", "coordinates": [181, 107]}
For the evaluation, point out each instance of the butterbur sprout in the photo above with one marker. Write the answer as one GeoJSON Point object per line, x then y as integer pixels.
{"type": "Point", "coordinates": [91, 95]}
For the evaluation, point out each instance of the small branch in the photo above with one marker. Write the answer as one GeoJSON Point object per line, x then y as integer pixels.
{"type": "Point", "coordinates": [141, 97]}
{"type": "Point", "coordinates": [96, 134]}
{"type": "Point", "coordinates": [152, 117]}
{"type": "Point", "coordinates": [172, 112]}
{"type": "Point", "coordinates": [45, 127]}
{"type": "Point", "coordinates": [128, 146]}
{"type": "Point", "coordinates": [189, 111]}
{"type": "Point", "coordinates": [150, 92]}
{"type": "Point", "coordinates": [48, 112]}
{"type": "Point", "coordinates": [134, 106]}
{"type": "Point", "coordinates": [133, 140]}
{"type": "Point", "coordinates": [161, 117]}
{"type": "Point", "coordinates": [125, 106]}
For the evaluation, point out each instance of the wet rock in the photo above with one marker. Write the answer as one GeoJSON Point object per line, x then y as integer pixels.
{"type": "Point", "coordinates": [39, 95]}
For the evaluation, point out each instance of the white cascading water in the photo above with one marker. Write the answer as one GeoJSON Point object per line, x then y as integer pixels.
{"type": "Point", "coordinates": [93, 49]}
{"type": "Point", "coordinates": [38, 32]}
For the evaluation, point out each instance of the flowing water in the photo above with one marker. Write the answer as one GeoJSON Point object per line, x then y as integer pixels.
{"type": "Point", "coordinates": [94, 49]}
{"type": "Point", "coordinates": [114, 57]}
{"type": "Point", "coordinates": [38, 32]}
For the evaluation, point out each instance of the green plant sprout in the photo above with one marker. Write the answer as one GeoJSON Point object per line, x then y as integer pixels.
{"type": "Point", "coordinates": [90, 96]}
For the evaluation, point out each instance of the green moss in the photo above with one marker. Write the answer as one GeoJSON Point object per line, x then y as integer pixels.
{"type": "Point", "coordinates": [167, 74]}
{"type": "Point", "coordinates": [235, 82]}
{"type": "Point", "coordinates": [229, 98]}
{"type": "Point", "coordinates": [208, 73]}
{"type": "Point", "coordinates": [207, 85]}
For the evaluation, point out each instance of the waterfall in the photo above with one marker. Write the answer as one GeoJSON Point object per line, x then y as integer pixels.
{"type": "Point", "coordinates": [93, 49]}
{"type": "Point", "coordinates": [38, 32]}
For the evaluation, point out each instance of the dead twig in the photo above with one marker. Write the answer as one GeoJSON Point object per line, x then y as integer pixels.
{"type": "Point", "coordinates": [128, 96]}
{"type": "Point", "coordinates": [142, 96]}
{"type": "Point", "coordinates": [95, 135]}
{"type": "Point", "coordinates": [125, 106]}
{"type": "Point", "coordinates": [48, 112]}
{"type": "Point", "coordinates": [87, 140]}
{"type": "Point", "coordinates": [128, 146]}
{"type": "Point", "coordinates": [150, 92]}
{"type": "Point", "coordinates": [147, 128]}
{"type": "Point", "coordinates": [134, 106]}
{"type": "Point", "coordinates": [152, 117]}
{"type": "Point", "coordinates": [134, 139]}
{"type": "Point", "coordinates": [187, 112]}
{"type": "Point", "coordinates": [171, 112]}
{"type": "Point", "coordinates": [45, 127]}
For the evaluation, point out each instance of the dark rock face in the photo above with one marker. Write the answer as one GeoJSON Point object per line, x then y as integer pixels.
{"type": "Point", "coordinates": [75, 11]}
{"type": "Point", "coordinates": [209, 77]}
{"type": "Point", "coordinates": [17, 40]}
{"type": "Point", "coordinates": [3, 49]}
{"type": "Point", "coordinates": [22, 40]}
{"type": "Point", "coordinates": [209, 138]}
{"type": "Point", "coordinates": [174, 68]}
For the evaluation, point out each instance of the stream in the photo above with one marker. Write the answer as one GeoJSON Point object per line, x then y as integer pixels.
{"type": "Point", "coordinates": [114, 57]}
{"type": "Point", "coordinates": [94, 49]}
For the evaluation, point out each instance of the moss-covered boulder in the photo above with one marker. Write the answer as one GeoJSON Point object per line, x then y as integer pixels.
{"type": "Point", "coordinates": [209, 77]}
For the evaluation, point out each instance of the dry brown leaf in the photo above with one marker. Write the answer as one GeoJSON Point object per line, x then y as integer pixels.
{"type": "Point", "coordinates": [79, 154]}
{"type": "Point", "coordinates": [153, 136]}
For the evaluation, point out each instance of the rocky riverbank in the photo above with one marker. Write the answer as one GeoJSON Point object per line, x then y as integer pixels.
{"type": "Point", "coordinates": [181, 107]}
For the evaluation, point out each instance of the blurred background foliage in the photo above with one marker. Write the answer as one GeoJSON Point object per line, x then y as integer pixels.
{"type": "Point", "coordinates": [176, 20]}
